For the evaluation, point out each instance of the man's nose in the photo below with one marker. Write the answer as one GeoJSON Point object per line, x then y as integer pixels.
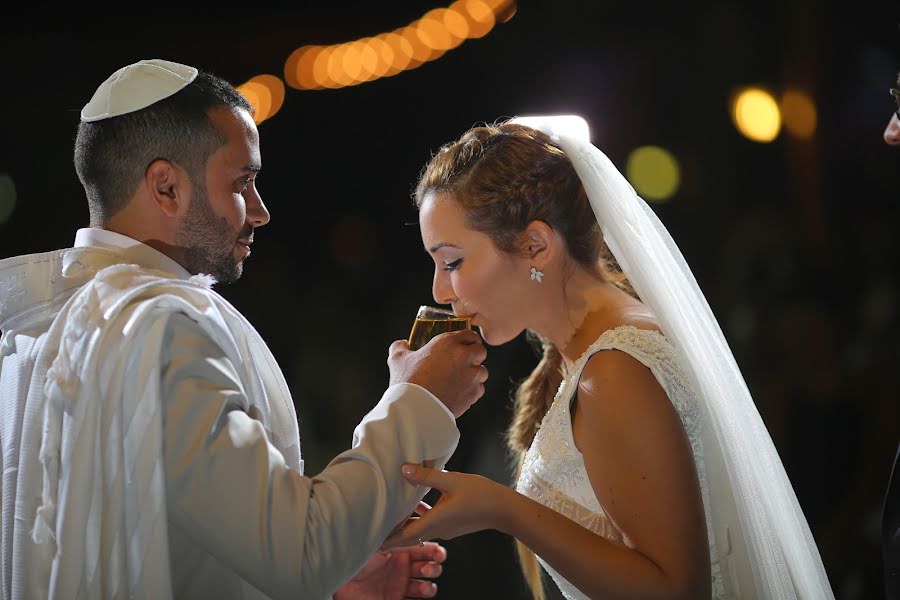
{"type": "Point", "coordinates": [257, 213]}
{"type": "Point", "coordinates": [892, 131]}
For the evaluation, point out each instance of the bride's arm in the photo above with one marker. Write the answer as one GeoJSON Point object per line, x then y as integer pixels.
{"type": "Point", "coordinates": [638, 456]}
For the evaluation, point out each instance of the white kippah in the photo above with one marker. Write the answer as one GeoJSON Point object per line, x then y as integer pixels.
{"type": "Point", "coordinates": [137, 86]}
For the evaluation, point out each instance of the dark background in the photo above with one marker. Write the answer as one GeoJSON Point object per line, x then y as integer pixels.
{"type": "Point", "coordinates": [793, 242]}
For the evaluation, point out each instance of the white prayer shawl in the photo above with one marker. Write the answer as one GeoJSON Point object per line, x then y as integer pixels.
{"type": "Point", "coordinates": [101, 530]}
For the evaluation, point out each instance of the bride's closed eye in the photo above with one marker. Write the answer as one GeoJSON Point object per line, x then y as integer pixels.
{"type": "Point", "coordinates": [453, 265]}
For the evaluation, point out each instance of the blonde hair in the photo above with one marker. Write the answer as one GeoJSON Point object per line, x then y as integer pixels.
{"type": "Point", "coordinates": [504, 177]}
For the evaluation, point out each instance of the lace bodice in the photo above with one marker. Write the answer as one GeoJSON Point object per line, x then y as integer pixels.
{"type": "Point", "coordinates": [553, 472]}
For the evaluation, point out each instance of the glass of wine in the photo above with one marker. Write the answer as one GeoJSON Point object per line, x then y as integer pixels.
{"type": "Point", "coordinates": [431, 321]}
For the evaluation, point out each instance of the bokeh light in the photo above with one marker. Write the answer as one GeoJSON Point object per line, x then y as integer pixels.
{"type": "Point", "coordinates": [259, 96]}
{"type": "Point", "coordinates": [456, 25]}
{"type": "Point", "coordinates": [7, 197]}
{"type": "Point", "coordinates": [756, 115]}
{"type": "Point", "coordinates": [432, 31]}
{"type": "Point", "coordinates": [387, 54]}
{"type": "Point", "coordinates": [654, 172]}
{"type": "Point", "coordinates": [503, 9]}
{"type": "Point", "coordinates": [478, 14]}
{"type": "Point", "coordinates": [298, 70]}
{"type": "Point", "coordinates": [265, 93]}
{"type": "Point", "coordinates": [799, 113]}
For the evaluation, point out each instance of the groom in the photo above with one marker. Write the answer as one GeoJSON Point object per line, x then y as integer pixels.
{"type": "Point", "coordinates": [148, 439]}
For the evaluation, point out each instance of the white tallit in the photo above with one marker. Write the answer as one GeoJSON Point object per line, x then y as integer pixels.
{"type": "Point", "coordinates": [93, 413]}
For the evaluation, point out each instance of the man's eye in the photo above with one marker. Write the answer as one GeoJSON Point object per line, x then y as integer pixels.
{"type": "Point", "coordinates": [453, 265]}
{"type": "Point", "coordinates": [245, 183]}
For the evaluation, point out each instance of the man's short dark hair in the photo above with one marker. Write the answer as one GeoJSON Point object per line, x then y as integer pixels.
{"type": "Point", "coordinates": [112, 155]}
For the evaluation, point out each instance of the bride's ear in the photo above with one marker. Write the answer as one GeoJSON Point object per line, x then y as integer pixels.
{"type": "Point", "coordinates": [539, 242]}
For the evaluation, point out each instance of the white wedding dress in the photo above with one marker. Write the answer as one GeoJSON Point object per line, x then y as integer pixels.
{"type": "Point", "coordinates": [554, 473]}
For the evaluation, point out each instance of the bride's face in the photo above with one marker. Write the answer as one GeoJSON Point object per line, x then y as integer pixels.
{"type": "Point", "coordinates": [472, 275]}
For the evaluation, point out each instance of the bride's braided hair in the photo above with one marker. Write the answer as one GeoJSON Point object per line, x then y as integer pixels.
{"type": "Point", "coordinates": [505, 176]}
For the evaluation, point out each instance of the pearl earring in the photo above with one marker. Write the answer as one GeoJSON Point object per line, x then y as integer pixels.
{"type": "Point", "coordinates": [536, 275]}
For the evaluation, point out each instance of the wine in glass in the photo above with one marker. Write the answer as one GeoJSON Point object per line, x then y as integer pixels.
{"type": "Point", "coordinates": [431, 321]}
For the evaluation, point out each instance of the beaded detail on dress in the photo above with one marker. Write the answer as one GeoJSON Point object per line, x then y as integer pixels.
{"type": "Point", "coordinates": [553, 472]}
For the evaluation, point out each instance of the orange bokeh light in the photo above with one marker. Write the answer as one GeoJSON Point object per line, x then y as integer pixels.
{"type": "Point", "coordinates": [478, 14]}
{"type": "Point", "coordinates": [432, 31]}
{"type": "Point", "coordinates": [456, 24]}
{"type": "Point", "coordinates": [276, 91]}
{"type": "Point", "coordinates": [386, 54]}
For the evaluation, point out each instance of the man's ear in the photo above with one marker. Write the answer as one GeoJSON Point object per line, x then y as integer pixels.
{"type": "Point", "coordinates": [169, 187]}
{"type": "Point", "coordinates": [538, 242]}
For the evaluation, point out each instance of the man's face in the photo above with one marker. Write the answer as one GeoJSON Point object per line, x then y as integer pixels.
{"type": "Point", "coordinates": [892, 131]}
{"type": "Point", "coordinates": [217, 229]}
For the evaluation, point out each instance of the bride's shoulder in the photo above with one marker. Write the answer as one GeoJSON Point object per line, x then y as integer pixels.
{"type": "Point", "coordinates": [631, 343]}
{"type": "Point", "coordinates": [632, 324]}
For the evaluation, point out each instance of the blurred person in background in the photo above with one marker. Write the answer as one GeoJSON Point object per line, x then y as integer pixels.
{"type": "Point", "coordinates": [890, 521]}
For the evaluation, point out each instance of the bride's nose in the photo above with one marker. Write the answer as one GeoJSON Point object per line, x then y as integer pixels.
{"type": "Point", "coordinates": [441, 288]}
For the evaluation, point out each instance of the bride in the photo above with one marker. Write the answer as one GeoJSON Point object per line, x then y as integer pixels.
{"type": "Point", "coordinates": [645, 470]}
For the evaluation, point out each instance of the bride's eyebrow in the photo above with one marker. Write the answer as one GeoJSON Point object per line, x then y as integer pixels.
{"type": "Point", "coordinates": [440, 245]}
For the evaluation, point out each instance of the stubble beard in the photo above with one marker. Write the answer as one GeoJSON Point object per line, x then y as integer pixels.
{"type": "Point", "coordinates": [208, 241]}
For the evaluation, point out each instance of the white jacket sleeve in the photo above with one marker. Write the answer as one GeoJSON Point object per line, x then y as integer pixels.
{"type": "Point", "coordinates": [229, 490]}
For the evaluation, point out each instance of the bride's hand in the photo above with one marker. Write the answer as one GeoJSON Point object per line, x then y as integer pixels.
{"type": "Point", "coordinates": [468, 503]}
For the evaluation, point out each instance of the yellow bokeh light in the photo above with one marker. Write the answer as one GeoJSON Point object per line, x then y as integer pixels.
{"type": "Point", "coordinates": [756, 115]}
{"type": "Point", "coordinates": [654, 172]}
{"type": "Point", "coordinates": [799, 113]}
{"type": "Point", "coordinates": [7, 197]}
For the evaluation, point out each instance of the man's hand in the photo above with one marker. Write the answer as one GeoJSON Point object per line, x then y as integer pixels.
{"type": "Point", "coordinates": [397, 574]}
{"type": "Point", "coordinates": [449, 366]}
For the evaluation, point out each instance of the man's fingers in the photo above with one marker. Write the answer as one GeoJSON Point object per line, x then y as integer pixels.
{"type": "Point", "coordinates": [417, 588]}
{"type": "Point", "coordinates": [426, 569]}
{"type": "Point", "coordinates": [467, 336]}
{"type": "Point", "coordinates": [427, 552]}
{"type": "Point", "coordinates": [479, 353]}
{"type": "Point", "coordinates": [397, 347]}
{"type": "Point", "coordinates": [422, 508]}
